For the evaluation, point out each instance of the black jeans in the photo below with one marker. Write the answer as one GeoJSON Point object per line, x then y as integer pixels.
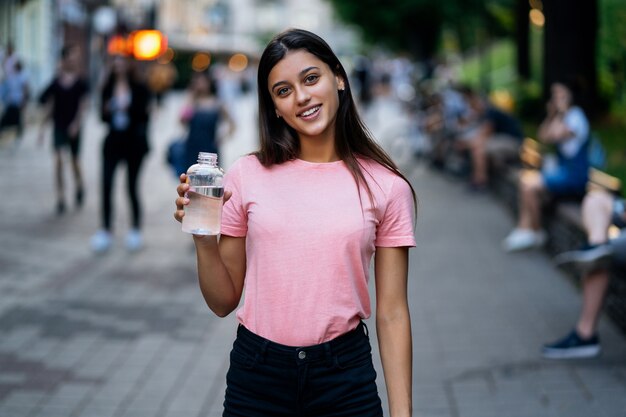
{"type": "Point", "coordinates": [333, 379]}
{"type": "Point", "coordinates": [120, 147]}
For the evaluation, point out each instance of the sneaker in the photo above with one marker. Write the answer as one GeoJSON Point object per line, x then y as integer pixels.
{"type": "Point", "coordinates": [60, 210]}
{"type": "Point", "coordinates": [572, 346]}
{"type": "Point", "coordinates": [587, 259]}
{"type": "Point", "coordinates": [80, 197]}
{"type": "Point", "coordinates": [522, 239]}
{"type": "Point", "coordinates": [134, 240]}
{"type": "Point", "coordinates": [101, 241]}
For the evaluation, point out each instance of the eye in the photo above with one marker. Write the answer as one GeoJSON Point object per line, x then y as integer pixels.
{"type": "Point", "coordinates": [282, 91]}
{"type": "Point", "coordinates": [311, 78]}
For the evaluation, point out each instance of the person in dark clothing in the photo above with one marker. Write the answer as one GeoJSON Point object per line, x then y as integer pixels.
{"type": "Point", "coordinates": [496, 132]}
{"type": "Point", "coordinates": [66, 101]}
{"type": "Point", "coordinates": [14, 92]}
{"type": "Point", "coordinates": [202, 116]}
{"type": "Point", "coordinates": [125, 109]}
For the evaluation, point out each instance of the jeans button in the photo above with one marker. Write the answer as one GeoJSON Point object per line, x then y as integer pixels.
{"type": "Point", "coordinates": [302, 354]}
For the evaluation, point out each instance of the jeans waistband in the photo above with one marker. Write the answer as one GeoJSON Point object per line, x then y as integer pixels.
{"type": "Point", "coordinates": [273, 351]}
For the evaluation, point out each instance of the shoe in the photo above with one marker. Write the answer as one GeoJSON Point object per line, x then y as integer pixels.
{"type": "Point", "coordinates": [101, 241]}
{"type": "Point", "coordinates": [522, 239]}
{"type": "Point", "coordinates": [587, 259]}
{"type": "Point", "coordinates": [134, 240]}
{"type": "Point", "coordinates": [572, 346]}
{"type": "Point", "coordinates": [60, 208]}
{"type": "Point", "coordinates": [80, 196]}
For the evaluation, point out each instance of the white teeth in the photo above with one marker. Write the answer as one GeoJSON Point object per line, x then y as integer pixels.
{"type": "Point", "coordinates": [310, 111]}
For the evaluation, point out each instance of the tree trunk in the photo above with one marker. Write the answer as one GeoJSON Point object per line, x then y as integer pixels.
{"type": "Point", "coordinates": [570, 47]}
{"type": "Point", "coordinates": [522, 8]}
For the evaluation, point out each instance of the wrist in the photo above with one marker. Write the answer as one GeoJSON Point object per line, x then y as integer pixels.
{"type": "Point", "coordinates": [205, 241]}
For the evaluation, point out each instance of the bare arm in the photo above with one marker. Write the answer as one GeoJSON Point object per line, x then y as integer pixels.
{"type": "Point", "coordinates": [554, 130]}
{"type": "Point", "coordinates": [74, 127]}
{"type": "Point", "coordinates": [393, 325]}
{"type": "Point", "coordinates": [46, 116]}
{"type": "Point", "coordinates": [221, 263]}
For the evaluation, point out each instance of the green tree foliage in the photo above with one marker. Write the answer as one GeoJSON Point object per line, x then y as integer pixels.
{"type": "Point", "coordinates": [415, 26]}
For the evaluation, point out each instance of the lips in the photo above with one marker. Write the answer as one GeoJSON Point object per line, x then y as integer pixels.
{"type": "Point", "coordinates": [310, 113]}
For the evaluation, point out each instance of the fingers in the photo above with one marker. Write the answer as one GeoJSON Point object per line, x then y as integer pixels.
{"type": "Point", "coordinates": [181, 201]}
{"type": "Point", "coordinates": [182, 189]}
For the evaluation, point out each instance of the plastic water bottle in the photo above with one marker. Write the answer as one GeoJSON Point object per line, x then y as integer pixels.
{"type": "Point", "coordinates": [203, 214]}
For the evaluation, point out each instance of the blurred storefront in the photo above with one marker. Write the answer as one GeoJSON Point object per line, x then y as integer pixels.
{"type": "Point", "coordinates": [38, 29]}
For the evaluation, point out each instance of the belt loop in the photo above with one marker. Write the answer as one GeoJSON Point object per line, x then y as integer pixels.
{"type": "Point", "coordinates": [263, 351]}
{"type": "Point", "coordinates": [365, 329]}
{"type": "Point", "coordinates": [329, 354]}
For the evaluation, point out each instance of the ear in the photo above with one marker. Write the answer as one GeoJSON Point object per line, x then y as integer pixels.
{"type": "Point", "coordinates": [341, 85]}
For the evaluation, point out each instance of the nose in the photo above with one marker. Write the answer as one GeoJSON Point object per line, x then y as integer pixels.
{"type": "Point", "coordinates": [302, 95]}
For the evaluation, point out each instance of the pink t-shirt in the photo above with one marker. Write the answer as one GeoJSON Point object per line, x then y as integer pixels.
{"type": "Point", "coordinates": [309, 243]}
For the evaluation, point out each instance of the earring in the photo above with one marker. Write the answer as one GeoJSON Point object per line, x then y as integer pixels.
{"type": "Point", "coordinates": [277, 115]}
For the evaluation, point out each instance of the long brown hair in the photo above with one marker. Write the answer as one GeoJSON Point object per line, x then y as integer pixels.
{"type": "Point", "coordinates": [279, 142]}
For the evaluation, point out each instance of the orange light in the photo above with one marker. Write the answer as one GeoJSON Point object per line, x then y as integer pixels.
{"type": "Point", "coordinates": [167, 56]}
{"type": "Point", "coordinates": [200, 61]}
{"type": "Point", "coordinates": [536, 4]}
{"type": "Point", "coordinates": [147, 44]}
{"type": "Point", "coordinates": [238, 62]}
{"type": "Point", "coordinates": [537, 18]}
{"type": "Point", "coordinates": [118, 45]}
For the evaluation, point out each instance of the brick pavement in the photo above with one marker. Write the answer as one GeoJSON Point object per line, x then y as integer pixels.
{"type": "Point", "coordinates": [126, 335]}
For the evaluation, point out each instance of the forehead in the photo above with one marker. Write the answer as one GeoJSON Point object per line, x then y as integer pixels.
{"type": "Point", "coordinates": [293, 64]}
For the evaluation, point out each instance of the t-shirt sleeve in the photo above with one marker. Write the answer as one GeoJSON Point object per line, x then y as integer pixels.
{"type": "Point", "coordinates": [396, 226]}
{"type": "Point", "coordinates": [577, 123]}
{"type": "Point", "coordinates": [234, 214]}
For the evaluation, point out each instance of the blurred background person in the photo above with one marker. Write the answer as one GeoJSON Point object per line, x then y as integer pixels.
{"type": "Point", "coordinates": [567, 128]}
{"type": "Point", "coordinates": [9, 60]}
{"type": "Point", "coordinates": [600, 209]}
{"type": "Point", "coordinates": [202, 116]}
{"type": "Point", "coordinates": [496, 133]}
{"type": "Point", "coordinates": [124, 107]}
{"type": "Point", "coordinates": [65, 103]}
{"type": "Point", "coordinates": [14, 93]}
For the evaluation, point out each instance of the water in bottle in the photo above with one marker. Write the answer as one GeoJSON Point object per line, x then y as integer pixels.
{"type": "Point", "coordinates": [203, 214]}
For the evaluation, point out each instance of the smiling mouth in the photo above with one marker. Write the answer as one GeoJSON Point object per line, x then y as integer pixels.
{"type": "Point", "coordinates": [310, 112]}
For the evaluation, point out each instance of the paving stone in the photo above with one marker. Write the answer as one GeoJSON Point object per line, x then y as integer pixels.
{"type": "Point", "coordinates": [130, 335]}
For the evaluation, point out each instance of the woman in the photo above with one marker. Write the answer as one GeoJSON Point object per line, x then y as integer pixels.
{"type": "Point", "coordinates": [566, 127]}
{"type": "Point", "coordinates": [303, 217]}
{"type": "Point", "coordinates": [202, 117]}
{"type": "Point", "coordinates": [124, 108]}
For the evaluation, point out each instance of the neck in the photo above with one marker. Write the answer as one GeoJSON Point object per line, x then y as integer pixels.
{"type": "Point", "coordinates": [314, 150]}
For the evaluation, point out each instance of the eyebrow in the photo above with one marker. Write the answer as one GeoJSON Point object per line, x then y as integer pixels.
{"type": "Point", "coordinates": [304, 71]}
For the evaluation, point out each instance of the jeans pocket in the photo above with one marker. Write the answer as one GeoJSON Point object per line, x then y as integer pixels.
{"type": "Point", "coordinates": [353, 360]}
{"type": "Point", "coordinates": [242, 359]}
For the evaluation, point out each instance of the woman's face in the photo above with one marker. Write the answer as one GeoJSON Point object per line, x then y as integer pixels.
{"type": "Point", "coordinates": [201, 85]}
{"type": "Point", "coordinates": [561, 97]}
{"type": "Point", "coordinates": [305, 94]}
{"type": "Point", "coordinates": [120, 65]}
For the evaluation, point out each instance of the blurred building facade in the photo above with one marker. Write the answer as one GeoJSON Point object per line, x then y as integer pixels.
{"type": "Point", "coordinates": [38, 29]}
{"type": "Point", "coordinates": [246, 25]}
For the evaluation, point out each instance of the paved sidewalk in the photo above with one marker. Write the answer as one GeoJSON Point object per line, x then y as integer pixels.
{"type": "Point", "coordinates": [124, 335]}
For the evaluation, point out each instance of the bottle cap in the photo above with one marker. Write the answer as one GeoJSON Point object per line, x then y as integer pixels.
{"type": "Point", "coordinates": [207, 157]}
